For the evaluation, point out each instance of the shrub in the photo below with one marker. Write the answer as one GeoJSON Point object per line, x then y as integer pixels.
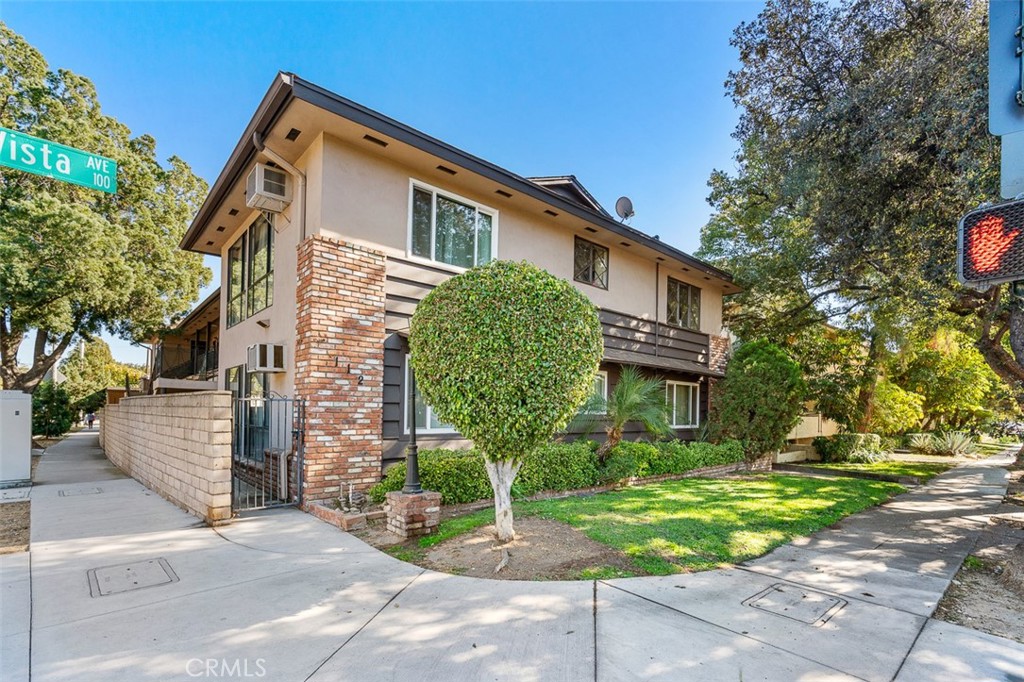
{"type": "Point", "coordinates": [953, 443]}
{"type": "Point", "coordinates": [891, 443]}
{"type": "Point", "coordinates": [844, 446]}
{"type": "Point", "coordinates": [558, 466]}
{"type": "Point", "coordinates": [923, 443]}
{"type": "Point", "coordinates": [759, 401]}
{"type": "Point", "coordinates": [459, 476]}
{"type": "Point", "coordinates": [506, 353]}
{"type": "Point", "coordinates": [51, 410]}
{"type": "Point", "coordinates": [628, 459]}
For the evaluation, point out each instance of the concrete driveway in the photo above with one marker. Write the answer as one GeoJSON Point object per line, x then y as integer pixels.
{"type": "Point", "coordinates": [122, 585]}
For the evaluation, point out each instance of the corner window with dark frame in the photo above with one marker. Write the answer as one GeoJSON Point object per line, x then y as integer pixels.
{"type": "Point", "coordinates": [251, 271]}
{"type": "Point", "coordinates": [683, 304]}
{"type": "Point", "coordinates": [590, 263]}
{"type": "Point", "coordinates": [450, 230]}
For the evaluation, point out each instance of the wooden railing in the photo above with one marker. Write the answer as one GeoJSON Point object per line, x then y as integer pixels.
{"type": "Point", "coordinates": [632, 333]}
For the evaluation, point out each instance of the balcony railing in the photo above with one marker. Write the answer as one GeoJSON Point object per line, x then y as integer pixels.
{"type": "Point", "coordinates": [182, 363]}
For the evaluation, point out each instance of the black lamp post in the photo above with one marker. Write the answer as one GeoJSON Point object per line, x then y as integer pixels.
{"type": "Point", "coordinates": [412, 454]}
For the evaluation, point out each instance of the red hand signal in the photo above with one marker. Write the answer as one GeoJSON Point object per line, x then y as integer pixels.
{"type": "Point", "coordinates": [989, 243]}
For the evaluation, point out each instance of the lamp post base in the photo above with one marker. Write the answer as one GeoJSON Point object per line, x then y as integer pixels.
{"type": "Point", "coordinates": [410, 515]}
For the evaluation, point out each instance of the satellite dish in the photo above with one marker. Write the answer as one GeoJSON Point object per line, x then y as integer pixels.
{"type": "Point", "coordinates": [624, 207]}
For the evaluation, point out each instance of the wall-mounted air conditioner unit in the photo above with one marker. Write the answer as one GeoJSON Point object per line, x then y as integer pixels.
{"type": "Point", "coordinates": [265, 357]}
{"type": "Point", "coordinates": [268, 189]}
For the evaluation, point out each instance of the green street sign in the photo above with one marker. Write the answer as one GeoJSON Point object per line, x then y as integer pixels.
{"type": "Point", "coordinates": [58, 161]}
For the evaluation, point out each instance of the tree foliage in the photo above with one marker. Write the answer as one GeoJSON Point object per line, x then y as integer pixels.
{"type": "Point", "coordinates": [90, 371]}
{"type": "Point", "coordinates": [51, 410]}
{"type": "Point", "coordinates": [760, 399]}
{"type": "Point", "coordinates": [896, 410]}
{"type": "Point", "coordinates": [862, 141]}
{"type": "Point", "coordinates": [74, 261]}
{"type": "Point", "coordinates": [506, 353]}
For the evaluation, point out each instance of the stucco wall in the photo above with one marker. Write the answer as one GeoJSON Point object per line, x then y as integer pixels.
{"type": "Point", "coordinates": [178, 445]}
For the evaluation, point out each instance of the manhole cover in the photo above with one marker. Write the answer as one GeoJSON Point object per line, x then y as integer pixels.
{"type": "Point", "coordinates": [72, 492]}
{"type": "Point", "coordinates": [128, 577]}
{"type": "Point", "coordinates": [790, 601]}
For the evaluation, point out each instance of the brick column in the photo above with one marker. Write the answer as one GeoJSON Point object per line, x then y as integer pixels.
{"type": "Point", "coordinates": [719, 352]}
{"type": "Point", "coordinates": [339, 364]}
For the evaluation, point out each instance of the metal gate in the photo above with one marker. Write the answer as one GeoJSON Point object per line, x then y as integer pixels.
{"type": "Point", "coordinates": [266, 452]}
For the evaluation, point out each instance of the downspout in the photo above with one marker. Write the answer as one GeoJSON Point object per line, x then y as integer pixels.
{"type": "Point", "coordinates": [657, 310]}
{"type": "Point", "coordinates": [300, 178]}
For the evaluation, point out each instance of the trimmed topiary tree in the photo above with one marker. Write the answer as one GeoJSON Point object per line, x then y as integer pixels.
{"type": "Point", "coordinates": [506, 353]}
{"type": "Point", "coordinates": [759, 401]}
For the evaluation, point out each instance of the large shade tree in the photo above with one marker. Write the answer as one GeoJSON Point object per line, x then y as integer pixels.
{"type": "Point", "coordinates": [75, 261]}
{"type": "Point", "coordinates": [506, 353]}
{"type": "Point", "coordinates": [862, 141]}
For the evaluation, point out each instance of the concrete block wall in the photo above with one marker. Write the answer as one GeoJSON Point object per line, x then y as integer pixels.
{"type": "Point", "coordinates": [178, 445]}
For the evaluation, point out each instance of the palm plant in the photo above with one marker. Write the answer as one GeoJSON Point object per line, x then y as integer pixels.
{"type": "Point", "coordinates": [635, 398]}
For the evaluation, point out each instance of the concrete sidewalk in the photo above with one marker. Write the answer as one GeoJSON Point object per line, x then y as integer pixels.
{"type": "Point", "coordinates": [279, 595]}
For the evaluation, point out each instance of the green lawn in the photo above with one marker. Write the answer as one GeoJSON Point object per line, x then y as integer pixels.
{"type": "Point", "coordinates": [923, 471]}
{"type": "Point", "coordinates": [697, 524]}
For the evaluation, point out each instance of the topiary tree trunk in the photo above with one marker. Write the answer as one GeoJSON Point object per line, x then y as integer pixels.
{"type": "Point", "coordinates": [503, 474]}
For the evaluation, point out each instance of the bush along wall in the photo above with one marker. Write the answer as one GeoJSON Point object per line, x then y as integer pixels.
{"type": "Point", "coordinates": [849, 447]}
{"type": "Point", "coordinates": [459, 475]}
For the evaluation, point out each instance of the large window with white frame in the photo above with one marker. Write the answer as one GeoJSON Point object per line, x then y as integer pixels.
{"type": "Point", "coordinates": [426, 420]}
{"type": "Point", "coordinates": [683, 400]}
{"type": "Point", "coordinates": [450, 229]}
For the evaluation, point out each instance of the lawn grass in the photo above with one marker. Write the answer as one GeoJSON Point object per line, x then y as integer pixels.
{"type": "Point", "coordinates": [922, 471]}
{"type": "Point", "coordinates": [698, 524]}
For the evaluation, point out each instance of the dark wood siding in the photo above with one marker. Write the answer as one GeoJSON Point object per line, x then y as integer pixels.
{"type": "Point", "coordinates": [631, 333]}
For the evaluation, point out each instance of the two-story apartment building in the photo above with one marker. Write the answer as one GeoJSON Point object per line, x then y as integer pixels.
{"type": "Point", "coordinates": [372, 215]}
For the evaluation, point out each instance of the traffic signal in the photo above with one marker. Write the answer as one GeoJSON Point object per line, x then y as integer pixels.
{"type": "Point", "coordinates": [990, 245]}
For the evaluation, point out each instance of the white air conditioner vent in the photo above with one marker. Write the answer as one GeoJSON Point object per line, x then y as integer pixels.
{"type": "Point", "coordinates": [265, 357]}
{"type": "Point", "coordinates": [268, 189]}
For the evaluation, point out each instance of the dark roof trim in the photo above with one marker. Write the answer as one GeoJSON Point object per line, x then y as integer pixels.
{"type": "Point", "coordinates": [573, 182]}
{"type": "Point", "coordinates": [214, 297]}
{"type": "Point", "coordinates": [629, 357]}
{"type": "Point", "coordinates": [289, 86]}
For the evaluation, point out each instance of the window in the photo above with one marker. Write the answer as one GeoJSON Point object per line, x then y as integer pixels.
{"type": "Point", "coordinates": [426, 420]}
{"type": "Point", "coordinates": [449, 230]}
{"type": "Point", "coordinates": [600, 391]}
{"type": "Point", "coordinates": [251, 271]}
{"type": "Point", "coordinates": [683, 304]}
{"type": "Point", "coordinates": [233, 381]}
{"type": "Point", "coordinates": [590, 263]}
{"type": "Point", "coordinates": [683, 403]}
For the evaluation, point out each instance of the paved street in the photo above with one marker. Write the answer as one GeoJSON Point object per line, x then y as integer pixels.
{"type": "Point", "coordinates": [281, 596]}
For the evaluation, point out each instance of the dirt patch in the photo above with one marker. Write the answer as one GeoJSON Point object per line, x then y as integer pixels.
{"type": "Point", "coordinates": [1015, 487]}
{"type": "Point", "coordinates": [543, 550]}
{"type": "Point", "coordinates": [14, 527]}
{"type": "Point", "coordinates": [978, 599]}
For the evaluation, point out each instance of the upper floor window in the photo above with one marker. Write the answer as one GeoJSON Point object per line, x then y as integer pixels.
{"type": "Point", "coordinates": [590, 263]}
{"type": "Point", "coordinates": [450, 230]}
{"type": "Point", "coordinates": [683, 304]}
{"type": "Point", "coordinates": [250, 276]}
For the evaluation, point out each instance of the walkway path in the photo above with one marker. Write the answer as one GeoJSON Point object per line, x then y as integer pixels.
{"type": "Point", "coordinates": [281, 596]}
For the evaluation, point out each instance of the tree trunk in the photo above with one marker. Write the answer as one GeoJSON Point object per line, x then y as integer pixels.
{"type": "Point", "coordinates": [502, 474]}
{"type": "Point", "coordinates": [869, 381]}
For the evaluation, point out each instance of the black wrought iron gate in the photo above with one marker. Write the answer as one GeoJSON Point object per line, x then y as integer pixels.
{"type": "Point", "coordinates": [266, 449]}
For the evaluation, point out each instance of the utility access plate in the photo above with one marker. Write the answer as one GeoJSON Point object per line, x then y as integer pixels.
{"type": "Point", "coordinates": [128, 577]}
{"type": "Point", "coordinates": [797, 603]}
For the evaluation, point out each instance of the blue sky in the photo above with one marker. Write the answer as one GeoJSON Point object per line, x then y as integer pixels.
{"type": "Point", "coordinates": [629, 97]}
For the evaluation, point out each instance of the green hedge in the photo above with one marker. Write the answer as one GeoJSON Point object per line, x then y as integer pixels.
{"type": "Point", "coordinates": [460, 476]}
{"type": "Point", "coordinates": [843, 447]}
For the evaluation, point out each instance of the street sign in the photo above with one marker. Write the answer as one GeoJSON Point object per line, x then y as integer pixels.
{"type": "Point", "coordinates": [1011, 165]}
{"type": "Point", "coordinates": [1005, 68]}
{"type": "Point", "coordinates": [58, 161]}
{"type": "Point", "coordinates": [990, 245]}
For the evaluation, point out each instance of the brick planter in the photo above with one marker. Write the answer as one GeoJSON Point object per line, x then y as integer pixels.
{"type": "Point", "coordinates": [410, 516]}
